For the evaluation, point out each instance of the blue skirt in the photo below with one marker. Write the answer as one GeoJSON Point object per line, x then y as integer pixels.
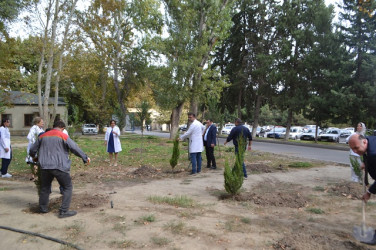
{"type": "Point", "coordinates": [111, 144]}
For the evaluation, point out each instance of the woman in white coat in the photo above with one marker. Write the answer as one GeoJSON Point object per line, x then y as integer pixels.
{"type": "Point", "coordinates": [5, 148]}
{"type": "Point", "coordinates": [112, 140]}
{"type": "Point", "coordinates": [34, 132]}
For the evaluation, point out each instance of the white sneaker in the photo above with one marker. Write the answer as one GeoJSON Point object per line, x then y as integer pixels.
{"type": "Point", "coordinates": [7, 175]}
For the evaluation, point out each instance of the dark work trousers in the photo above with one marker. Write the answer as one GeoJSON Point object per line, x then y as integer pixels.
{"type": "Point", "coordinates": [244, 169]}
{"type": "Point", "coordinates": [209, 156]}
{"type": "Point", "coordinates": [65, 181]}
{"type": "Point", "coordinates": [5, 164]}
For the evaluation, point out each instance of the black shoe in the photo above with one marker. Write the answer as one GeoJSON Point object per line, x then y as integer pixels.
{"type": "Point", "coordinates": [67, 214]}
{"type": "Point", "coordinates": [43, 211]}
{"type": "Point", "coordinates": [214, 167]}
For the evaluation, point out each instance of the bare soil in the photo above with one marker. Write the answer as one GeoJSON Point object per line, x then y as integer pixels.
{"type": "Point", "coordinates": [278, 208]}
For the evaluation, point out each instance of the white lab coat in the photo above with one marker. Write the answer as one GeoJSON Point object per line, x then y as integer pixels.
{"type": "Point", "coordinates": [5, 143]}
{"type": "Point", "coordinates": [117, 143]}
{"type": "Point", "coordinates": [195, 131]}
{"type": "Point", "coordinates": [32, 137]}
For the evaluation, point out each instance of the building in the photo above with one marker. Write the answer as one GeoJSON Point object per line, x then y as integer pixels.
{"type": "Point", "coordinates": [22, 109]}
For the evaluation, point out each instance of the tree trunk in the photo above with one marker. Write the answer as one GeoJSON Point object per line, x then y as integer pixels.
{"type": "Point", "coordinates": [46, 112]}
{"type": "Point", "coordinates": [288, 126]}
{"type": "Point", "coordinates": [60, 66]}
{"type": "Point", "coordinates": [256, 115]}
{"type": "Point", "coordinates": [41, 63]}
{"type": "Point", "coordinates": [175, 118]}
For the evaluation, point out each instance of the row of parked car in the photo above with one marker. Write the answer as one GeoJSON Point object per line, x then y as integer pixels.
{"type": "Point", "coordinates": [307, 132]}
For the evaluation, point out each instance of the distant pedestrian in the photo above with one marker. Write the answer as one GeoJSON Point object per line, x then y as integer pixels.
{"type": "Point", "coordinates": [5, 148]}
{"type": "Point", "coordinates": [236, 132]}
{"type": "Point", "coordinates": [112, 141]}
{"type": "Point", "coordinates": [32, 137]}
{"type": "Point", "coordinates": [196, 145]}
{"type": "Point", "coordinates": [354, 157]}
{"type": "Point", "coordinates": [53, 149]}
{"type": "Point", "coordinates": [210, 140]}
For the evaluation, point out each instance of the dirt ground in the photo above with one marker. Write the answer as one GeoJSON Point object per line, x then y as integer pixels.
{"type": "Point", "coordinates": [278, 208]}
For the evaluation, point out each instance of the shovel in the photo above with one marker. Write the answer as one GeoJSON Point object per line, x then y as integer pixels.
{"type": "Point", "coordinates": [363, 233]}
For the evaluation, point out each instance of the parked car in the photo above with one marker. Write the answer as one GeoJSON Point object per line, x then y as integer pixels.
{"type": "Point", "coordinates": [89, 129]}
{"type": "Point", "coordinates": [352, 130]}
{"type": "Point", "coordinates": [227, 128]}
{"type": "Point", "coordinates": [183, 127]}
{"type": "Point", "coordinates": [309, 135]}
{"type": "Point", "coordinates": [295, 133]}
{"type": "Point", "coordinates": [344, 135]}
{"type": "Point", "coordinates": [276, 133]}
{"type": "Point", "coordinates": [329, 135]}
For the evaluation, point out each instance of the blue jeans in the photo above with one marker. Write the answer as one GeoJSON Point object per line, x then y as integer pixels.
{"type": "Point", "coordinates": [196, 161]}
{"type": "Point", "coordinates": [244, 169]}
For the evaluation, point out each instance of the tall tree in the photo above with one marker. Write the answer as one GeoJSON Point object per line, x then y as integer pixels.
{"type": "Point", "coordinates": [359, 92]}
{"type": "Point", "coordinates": [113, 28]}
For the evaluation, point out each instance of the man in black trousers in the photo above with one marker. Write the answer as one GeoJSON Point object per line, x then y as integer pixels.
{"type": "Point", "coordinates": [210, 138]}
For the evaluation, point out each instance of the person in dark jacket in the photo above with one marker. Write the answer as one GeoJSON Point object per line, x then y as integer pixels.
{"type": "Point", "coordinates": [240, 130]}
{"type": "Point", "coordinates": [210, 138]}
{"type": "Point", "coordinates": [366, 146]}
{"type": "Point", "coordinates": [53, 149]}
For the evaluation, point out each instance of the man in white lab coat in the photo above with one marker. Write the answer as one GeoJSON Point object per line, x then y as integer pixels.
{"type": "Point", "coordinates": [196, 144]}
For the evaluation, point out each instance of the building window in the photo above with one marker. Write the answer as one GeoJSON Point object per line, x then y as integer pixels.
{"type": "Point", "coordinates": [7, 117]}
{"type": "Point", "coordinates": [28, 120]}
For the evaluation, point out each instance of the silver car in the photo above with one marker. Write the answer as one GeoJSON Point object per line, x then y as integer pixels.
{"type": "Point", "coordinates": [89, 129]}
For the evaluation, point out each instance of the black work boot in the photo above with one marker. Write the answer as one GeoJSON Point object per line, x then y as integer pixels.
{"type": "Point", "coordinates": [67, 214]}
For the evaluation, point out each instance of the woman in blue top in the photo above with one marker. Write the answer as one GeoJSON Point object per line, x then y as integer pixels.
{"type": "Point", "coordinates": [112, 140]}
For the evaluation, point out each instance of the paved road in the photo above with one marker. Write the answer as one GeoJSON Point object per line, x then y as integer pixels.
{"type": "Point", "coordinates": [330, 155]}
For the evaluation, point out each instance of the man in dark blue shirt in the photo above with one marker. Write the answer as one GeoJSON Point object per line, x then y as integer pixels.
{"type": "Point", "coordinates": [240, 130]}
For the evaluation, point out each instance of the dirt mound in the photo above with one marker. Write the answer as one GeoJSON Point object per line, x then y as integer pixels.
{"type": "Point", "coordinates": [350, 190]}
{"type": "Point", "coordinates": [278, 199]}
{"type": "Point", "coordinates": [315, 241]}
{"type": "Point", "coordinates": [79, 202]}
{"type": "Point", "coordinates": [293, 196]}
{"type": "Point", "coordinates": [145, 172]}
{"type": "Point", "coordinates": [255, 168]}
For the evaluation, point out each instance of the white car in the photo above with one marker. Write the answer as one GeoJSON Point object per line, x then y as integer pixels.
{"type": "Point", "coordinates": [295, 133]}
{"type": "Point", "coordinates": [227, 128]}
{"type": "Point", "coordinates": [89, 129]}
{"type": "Point", "coordinates": [330, 135]}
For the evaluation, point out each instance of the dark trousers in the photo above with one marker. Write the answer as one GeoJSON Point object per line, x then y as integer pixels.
{"type": "Point", "coordinates": [244, 169]}
{"type": "Point", "coordinates": [210, 159]}
{"type": "Point", "coordinates": [65, 181]}
{"type": "Point", "coordinates": [4, 165]}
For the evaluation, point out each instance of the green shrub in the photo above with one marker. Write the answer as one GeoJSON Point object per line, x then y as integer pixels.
{"type": "Point", "coordinates": [175, 153]}
{"type": "Point", "coordinates": [234, 177]}
{"type": "Point", "coordinates": [315, 210]}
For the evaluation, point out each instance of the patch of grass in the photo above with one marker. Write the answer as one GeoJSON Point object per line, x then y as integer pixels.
{"type": "Point", "coordinates": [160, 241]}
{"type": "Point", "coordinates": [122, 244]}
{"type": "Point", "coordinates": [120, 227]}
{"type": "Point", "coordinates": [187, 215]}
{"type": "Point", "coordinates": [146, 219]}
{"type": "Point", "coordinates": [319, 188]}
{"type": "Point", "coordinates": [246, 220]}
{"type": "Point", "coordinates": [179, 201]}
{"type": "Point", "coordinates": [230, 149]}
{"type": "Point", "coordinates": [74, 231]}
{"type": "Point", "coordinates": [5, 189]}
{"type": "Point", "coordinates": [315, 210]}
{"type": "Point", "coordinates": [175, 228]}
{"type": "Point", "coordinates": [300, 164]}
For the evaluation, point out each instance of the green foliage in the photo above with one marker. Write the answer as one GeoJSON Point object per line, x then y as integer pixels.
{"type": "Point", "coordinates": [315, 210]}
{"type": "Point", "coordinates": [300, 164]}
{"type": "Point", "coordinates": [179, 201]}
{"type": "Point", "coordinates": [143, 113]}
{"type": "Point", "coordinates": [175, 152]}
{"type": "Point", "coordinates": [356, 167]}
{"type": "Point", "coordinates": [234, 177]}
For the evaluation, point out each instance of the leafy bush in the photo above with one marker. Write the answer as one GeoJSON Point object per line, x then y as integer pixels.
{"type": "Point", "coordinates": [175, 153]}
{"type": "Point", "coordinates": [234, 177]}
